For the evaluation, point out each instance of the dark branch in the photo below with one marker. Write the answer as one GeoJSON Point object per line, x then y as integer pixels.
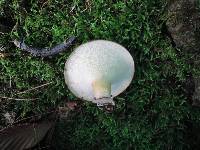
{"type": "Point", "coordinates": [45, 52]}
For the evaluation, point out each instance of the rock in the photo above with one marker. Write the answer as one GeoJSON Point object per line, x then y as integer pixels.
{"type": "Point", "coordinates": [184, 28]}
{"type": "Point", "coordinates": [184, 24]}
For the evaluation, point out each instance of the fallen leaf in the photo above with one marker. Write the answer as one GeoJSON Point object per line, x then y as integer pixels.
{"type": "Point", "coordinates": [26, 135]}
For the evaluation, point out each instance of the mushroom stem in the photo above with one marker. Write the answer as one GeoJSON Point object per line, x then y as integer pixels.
{"type": "Point", "coordinates": [102, 93]}
{"type": "Point", "coordinates": [101, 88]}
{"type": "Point", "coordinates": [105, 101]}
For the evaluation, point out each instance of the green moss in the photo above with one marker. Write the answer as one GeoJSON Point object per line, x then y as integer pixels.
{"type": "Point", "coordinates": [151, 114]}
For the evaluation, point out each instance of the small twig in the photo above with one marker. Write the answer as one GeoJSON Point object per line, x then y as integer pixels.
{"type": "Point", "coordinates": [10, 82]}
{"type": "Point", "coordinates": [3, 55]}
{"type": "Point", "coordinates": [18, 99]}
{"type": "Point", "coordinates": [34, 88]}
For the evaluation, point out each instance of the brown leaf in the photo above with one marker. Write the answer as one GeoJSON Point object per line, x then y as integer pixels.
{"type": "Point", "coordinates": [25, 136]}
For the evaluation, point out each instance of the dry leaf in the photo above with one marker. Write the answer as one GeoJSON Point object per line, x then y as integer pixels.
{"type": "Point", "coordinates": [27, 135]}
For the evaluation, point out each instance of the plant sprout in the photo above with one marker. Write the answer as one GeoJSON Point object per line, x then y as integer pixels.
{"type": "Point", "coordinates": [98, 71]}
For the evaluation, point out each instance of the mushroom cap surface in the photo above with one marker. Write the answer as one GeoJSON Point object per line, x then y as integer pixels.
{"type": "Point", "coordinates": [98, 60]}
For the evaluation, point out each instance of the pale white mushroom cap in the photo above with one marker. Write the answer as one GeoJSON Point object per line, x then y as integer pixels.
{"type": "Point", "coordinates": [101, 61]}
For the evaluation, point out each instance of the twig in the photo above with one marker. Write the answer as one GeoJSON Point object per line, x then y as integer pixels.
{"type": "Point", "coordinates": [18, 99]}
{"type": "Point", "coordinates": [34, 88]}
{"type": "Point", "coordinates": [3, 55]}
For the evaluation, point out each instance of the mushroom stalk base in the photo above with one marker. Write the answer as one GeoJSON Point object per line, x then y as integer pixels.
{"type": "Point", "coordinates": [104, 101]}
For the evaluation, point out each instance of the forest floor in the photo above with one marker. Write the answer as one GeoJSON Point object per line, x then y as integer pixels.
{"type": "Point", "coordinates": [155, 111]}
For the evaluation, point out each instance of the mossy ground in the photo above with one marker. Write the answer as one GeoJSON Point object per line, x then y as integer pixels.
{"type": "Point", "coordinates": [153, 113]}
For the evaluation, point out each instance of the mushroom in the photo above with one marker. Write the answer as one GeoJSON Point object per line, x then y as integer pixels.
{"type": "Point", "coordinates": [99, 70]}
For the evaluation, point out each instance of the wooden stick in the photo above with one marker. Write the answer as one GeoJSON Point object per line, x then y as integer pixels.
{"type": "Point", "coordinates": [18, 99]}
{"type": "Point", "coordinates": [34, 88]}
